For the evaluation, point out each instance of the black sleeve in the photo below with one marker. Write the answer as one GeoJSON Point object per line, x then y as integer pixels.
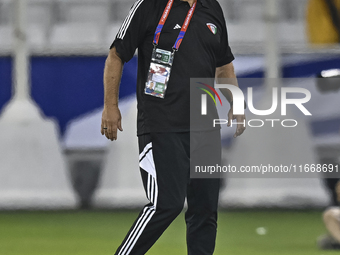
{"type": "Point", "coordinates": [225, 56]}
{"type": "Point", "coordinates": [131, 32]}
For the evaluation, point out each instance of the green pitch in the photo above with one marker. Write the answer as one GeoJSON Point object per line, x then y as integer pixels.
{"type": "Point", "coordinates": [99, 233]}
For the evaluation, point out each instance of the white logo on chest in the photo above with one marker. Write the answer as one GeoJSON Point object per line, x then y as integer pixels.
{"type": "Point", "coordinates": [177, 27]}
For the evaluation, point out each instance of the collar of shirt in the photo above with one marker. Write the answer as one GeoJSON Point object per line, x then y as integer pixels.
{"type": "Point", "coordinates": [203, 3]}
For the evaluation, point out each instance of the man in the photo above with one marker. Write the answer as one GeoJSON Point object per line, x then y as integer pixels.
{"type": "Point", "coordinates": [331, 218]}
{"type": "Point", "coordinates": [187, 39]}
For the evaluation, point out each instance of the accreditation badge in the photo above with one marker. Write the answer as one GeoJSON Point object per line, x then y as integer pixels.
{"type": "Point", "coordinates": [159, 73]}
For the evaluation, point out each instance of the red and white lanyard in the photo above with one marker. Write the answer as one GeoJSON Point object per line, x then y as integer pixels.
{"type": "Point", "coordinates": [184, 26]}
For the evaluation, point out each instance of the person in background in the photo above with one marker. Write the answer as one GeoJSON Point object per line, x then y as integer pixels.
{"type": "Point", "coordinates": [323, 21]}
{"type": "Point", "coordinates": [331, 218]}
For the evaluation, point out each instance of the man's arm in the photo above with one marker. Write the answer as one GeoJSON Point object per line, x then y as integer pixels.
{"type": "Point", "coordinates": [226, 74]}
{"type": "Point", "coordinates": [111, 117]}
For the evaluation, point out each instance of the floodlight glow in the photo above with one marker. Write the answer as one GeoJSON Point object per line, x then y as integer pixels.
{"type": "Point", "coordinates": [330, 73]}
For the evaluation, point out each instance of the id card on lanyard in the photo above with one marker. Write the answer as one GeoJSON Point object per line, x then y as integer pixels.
{"type": "Point", "coordinates": [161, 60]}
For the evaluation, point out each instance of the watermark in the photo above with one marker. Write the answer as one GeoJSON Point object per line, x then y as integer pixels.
{"type": "Point", "coordinates": [238, 99]}
{"type": "Point", "coordinates": [282, 127]}
{"type": "Point", "coordinates": [267, 169]}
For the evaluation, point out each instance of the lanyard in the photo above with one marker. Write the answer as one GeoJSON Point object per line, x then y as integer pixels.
{"type": "Point", "coordinates": [183, 29]}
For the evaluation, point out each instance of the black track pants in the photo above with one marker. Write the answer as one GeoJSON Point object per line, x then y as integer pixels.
{"type": "Point", "coordinates": [164, 162]}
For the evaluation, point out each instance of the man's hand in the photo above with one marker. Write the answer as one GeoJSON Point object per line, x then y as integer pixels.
{"type": "Point", "coordinates": [241, 121]}
{"type": "Point", "coordinates": [111, 121]}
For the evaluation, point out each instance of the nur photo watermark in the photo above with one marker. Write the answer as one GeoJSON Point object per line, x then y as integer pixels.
{"type": "Point", "coordinates": [283, 123]}
{"type": "Point", "coordinates": [238, 100]}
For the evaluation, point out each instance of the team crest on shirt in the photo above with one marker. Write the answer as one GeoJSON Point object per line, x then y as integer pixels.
{"type": "Point", "coordinates": [212, 28]}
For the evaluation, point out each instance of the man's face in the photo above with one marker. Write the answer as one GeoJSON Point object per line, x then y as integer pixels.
{"type": "Point", "coordinates": [151, 85]}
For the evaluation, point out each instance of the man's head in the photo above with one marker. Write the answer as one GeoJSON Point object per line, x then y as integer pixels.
{"type": "Point", "coordinates": [152, 84]}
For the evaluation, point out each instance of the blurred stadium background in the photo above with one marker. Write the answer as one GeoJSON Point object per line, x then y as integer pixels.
{"type": "Point", "coordinates": [52, 156]}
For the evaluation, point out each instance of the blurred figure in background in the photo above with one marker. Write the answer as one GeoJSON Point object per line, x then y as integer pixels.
{"type": "Point", "coordinates": [323, 21]}
{"type": "Point", "coordinates": [331, 219]}
{"type": "Point", "coordinates": [331, 184]}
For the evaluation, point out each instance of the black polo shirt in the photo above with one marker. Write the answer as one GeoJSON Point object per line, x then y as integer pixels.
{"type": "Point", "coordinates": [200, 53]}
